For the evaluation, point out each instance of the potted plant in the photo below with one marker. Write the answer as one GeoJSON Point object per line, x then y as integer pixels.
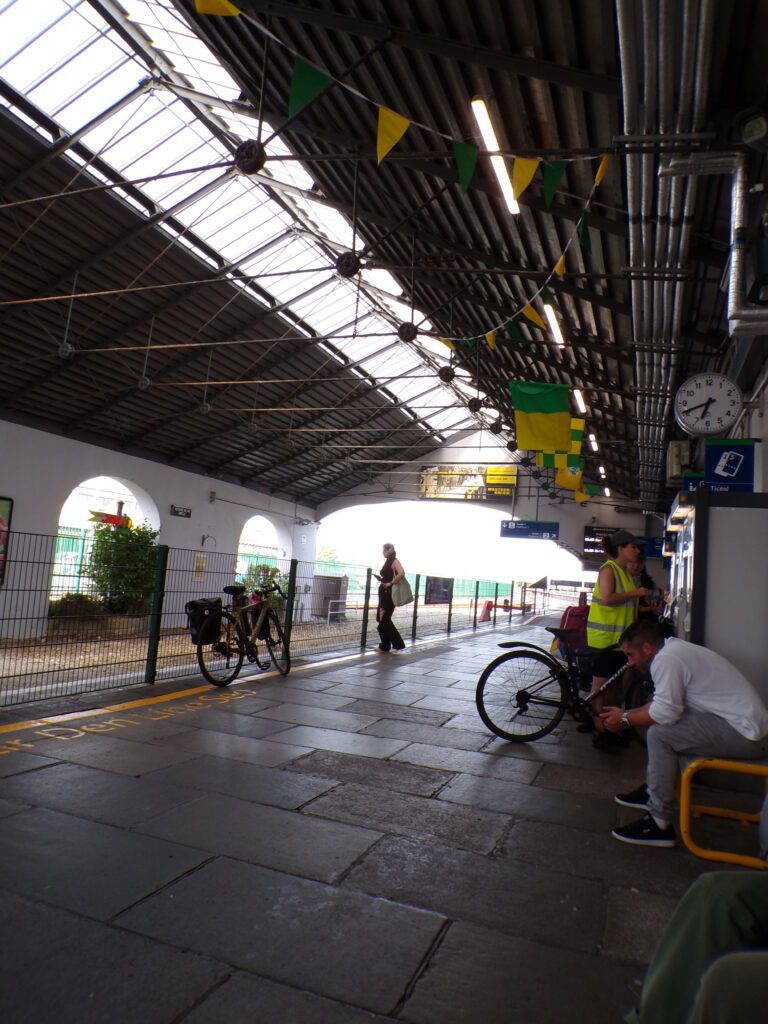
{"type": "Point", "coordinates": [122, 567]}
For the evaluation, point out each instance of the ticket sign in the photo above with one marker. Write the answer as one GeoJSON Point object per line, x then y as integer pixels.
{"type": "Point", "coordinates": [529, 529]}
{"type": "Point", "coordinates": [729, 465]}
{"type": "Point", "coordinates": [465, 482]}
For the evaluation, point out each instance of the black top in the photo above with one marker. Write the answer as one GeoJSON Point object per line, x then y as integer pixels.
{"type": "Point", "coordinates": [387, 573]}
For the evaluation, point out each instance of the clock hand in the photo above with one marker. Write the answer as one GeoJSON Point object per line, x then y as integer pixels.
{"type": "Point", "coordinates": [693, 408]}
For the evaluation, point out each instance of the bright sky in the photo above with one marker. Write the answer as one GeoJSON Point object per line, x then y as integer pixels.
{"type": "Point", "coordinates": [444, 539]}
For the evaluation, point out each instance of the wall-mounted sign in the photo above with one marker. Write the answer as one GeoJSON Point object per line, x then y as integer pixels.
{"type": "Point", "coordinates": [198, 573]}
{"type": "Point", "coordinates": [529, 529]}
{"type": "Point", "coordinates": [593, 542]}
{"type": "Point", "coordinates": [467, 483]}
{"type": "Point", "coordinates": [179, 510]}
{"type": "Point", "coordinates": [438, 590]}
{"type": "Point", "coordinates": [6, 511]}
{"type": "Point", "coordinates": [729, 465]}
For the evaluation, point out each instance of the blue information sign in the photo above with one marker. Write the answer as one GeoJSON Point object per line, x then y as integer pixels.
{"type": "Point", "coordinates": [729, 465]}
{"type": "Point", "coordinates": [529, 529]}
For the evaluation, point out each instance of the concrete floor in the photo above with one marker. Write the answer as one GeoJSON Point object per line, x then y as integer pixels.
{"type": "Point", "coordinates": [345, 845]}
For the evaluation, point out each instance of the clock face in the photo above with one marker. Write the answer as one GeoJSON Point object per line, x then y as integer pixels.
{"type": "Point", "coordinates": [707, 404]}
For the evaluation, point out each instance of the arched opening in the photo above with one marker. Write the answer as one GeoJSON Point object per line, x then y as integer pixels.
{"type": "Point", "coordinates": [79, 515]}
{"type": "Point", "coordinates": [259, 545]}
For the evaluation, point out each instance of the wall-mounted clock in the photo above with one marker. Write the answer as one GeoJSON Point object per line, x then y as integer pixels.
{"type": "Point", "coordinates": [707, 404]}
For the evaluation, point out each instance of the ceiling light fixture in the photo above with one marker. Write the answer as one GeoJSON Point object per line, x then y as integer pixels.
{"type": "Point", "coordinates": [601, 470]}
{"type": "Point", "coordinates": [581, 405]}
{"type": "Point", "coordinates": [483, 119]}
{"type": "Point", "coordinates": [593, 442]}
{"type": "Point", "coordinates": [554, 325]}
{"type": "Point", "coordinates": [607, 492]}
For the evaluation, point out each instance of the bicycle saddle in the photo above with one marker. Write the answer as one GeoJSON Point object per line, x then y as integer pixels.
{"type": "Point", "coordinates": [236, 590]}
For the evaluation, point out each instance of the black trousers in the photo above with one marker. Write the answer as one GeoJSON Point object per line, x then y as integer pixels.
{"type": "Point", "coordinates": [388, 634]}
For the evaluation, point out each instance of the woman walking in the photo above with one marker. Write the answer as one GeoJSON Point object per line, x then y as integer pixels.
{"type": "Point", "coordinates": [391, 572]}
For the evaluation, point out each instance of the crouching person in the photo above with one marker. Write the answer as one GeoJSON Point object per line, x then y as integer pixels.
{"type": "Point", "coordinates": [702, 706]}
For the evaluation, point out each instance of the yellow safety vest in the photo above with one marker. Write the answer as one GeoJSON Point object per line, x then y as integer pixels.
{"type": "Point", "coordinates": [607, 622]}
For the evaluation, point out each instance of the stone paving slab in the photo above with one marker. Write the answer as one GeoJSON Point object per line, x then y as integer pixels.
{"type": "Point", "coordinates": [112, 753]}
{"type": "Point", "coordinates": [344, 742]}
{"type": "Point", "coordinates": [400, 714]}
{"type": "Point", "coordinates": [454, 703]}
{"type": "Point", "coordinates": [414, 816]}
{"type": "Point", "coordinates": [428, 687]}
{"type": "Point", "coordinates": [577, 811]}
{"type": "Point", "coordinates": [20, 761]}
{"type": "Point", "coordinates": [418, 733]}
{"type": "Point", "coordinates": [518, 898]}
{"type": "Point", "coordinates": [271, 786]}
{"type": "Point", "coordinates": [295, 714]}
{"type": "Point", "coordinates": [239, 748]}
{"type": "Point", "coordinates": [576, 756]}
{"type": "Point", "coordinates": [308, 698]}
{"type": "Point", "coordinates": [589, 781]}
{"type": "Point", "coordinates": [386, 694]}
{"type": "Point", "coordinates": [480, 975]}
{"type": "Point", "coordinates": [63, 969]}
{"type": "Point", "coordinates": [244, 995]}
{"type": "Point", "coordinates": [597, 855]}
{"type": "Point", "coordinates": [83, 866]}
{"type": "Point", "coordinates": [635, 922]}
{"type": "Point", "coordinates": [8, 807]}
{"type": "Point", "coordinates": [368, 771]}
{"type": "Point", "coordinates": [95, 794]}
{"type": "Point", "coordinates": [471, 762]}
{"type": "Point", "coordinates": [327, 940]}
{"type": "Point", "coordinates": [235, 724]}
{"type": "Point", "coordinates": [268, 836]}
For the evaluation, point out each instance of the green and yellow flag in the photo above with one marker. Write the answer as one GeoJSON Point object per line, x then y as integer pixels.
{"type": "Point", "coordinates": [577, 435]}
{"type": "Point", "coordinates": [569, 478]}
{"type": "Point", "coordinates": [558, 460]}
{"type": "Point", "coordinates": [542, 415]}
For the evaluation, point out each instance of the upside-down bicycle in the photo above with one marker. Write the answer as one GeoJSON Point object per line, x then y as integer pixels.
{"type": "Point", "coordinates": [522, 695]}
{"type": "Point", "coordinates": [229, 635]}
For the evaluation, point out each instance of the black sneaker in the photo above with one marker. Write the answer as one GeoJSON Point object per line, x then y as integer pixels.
{"type": "Point", "coordinates": [637, 798]}
{"type": "Point", "coordinates": [645, 832]}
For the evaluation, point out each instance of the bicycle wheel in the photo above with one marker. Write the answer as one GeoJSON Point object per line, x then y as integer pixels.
{"type": "Point", "coordinates": [221, 660]}
{"type": "Point", "coordinates": [521, 696]}
{"type": "Point", "coordinates": [278, 648]}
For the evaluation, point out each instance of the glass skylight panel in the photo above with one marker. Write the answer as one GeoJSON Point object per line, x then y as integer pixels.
{"type": "Point", "coordinates": [80, 66]}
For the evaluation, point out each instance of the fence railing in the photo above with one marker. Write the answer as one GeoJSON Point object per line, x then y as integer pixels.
{"type": "Point", "coordinates": [59, 636]}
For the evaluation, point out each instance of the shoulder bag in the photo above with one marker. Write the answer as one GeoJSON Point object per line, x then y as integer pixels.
{"type": "Point", "coordinates": [401, 592]}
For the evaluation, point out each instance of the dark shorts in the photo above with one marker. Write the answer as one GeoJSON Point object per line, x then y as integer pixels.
{"type": "Point", "coordinates": [608, 661]}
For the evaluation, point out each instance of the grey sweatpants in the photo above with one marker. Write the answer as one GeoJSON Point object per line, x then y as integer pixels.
{"type": "Point", "coordinates": [695, 733]}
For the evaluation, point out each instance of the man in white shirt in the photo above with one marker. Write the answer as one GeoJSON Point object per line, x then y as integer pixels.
{"type": "Point", "coordinates": [702, 706]}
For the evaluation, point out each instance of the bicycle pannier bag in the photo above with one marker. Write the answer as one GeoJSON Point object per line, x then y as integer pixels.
{"type": "Point", "coordinates": [401, 592]}
{"type": "Point", "coordinates": [204, 618]}
{"type": "Point", "coordinates": [574, 619]}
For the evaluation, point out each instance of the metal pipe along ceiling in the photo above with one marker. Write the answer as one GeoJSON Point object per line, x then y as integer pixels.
{"type": "Point", "coordinates": [676, 50]}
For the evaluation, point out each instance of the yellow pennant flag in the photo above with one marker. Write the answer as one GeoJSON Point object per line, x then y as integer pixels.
{"type": "Point", "coordinates": [221, 7]}
{"type": "Point", "coordinates": [534, 317]}
{"type": "Point", "coordinates": [568, 478]}
{"type": "Point", "coordinates": [580, 497]}
{"type": "Point", "coordinates": [602, 168]}
{"type": "Point", "coordinates": [392, 127]}
{"type": "Point", "coordinates": [560, 266]}
{"type": "Point", "coordinates": [491, 339]}
{"type": "Point", "coordinates": [522, 173]}
{"type": "Point", "coordinates": [449, 343]}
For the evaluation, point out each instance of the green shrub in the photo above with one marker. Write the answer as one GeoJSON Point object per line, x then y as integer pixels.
{"type": "Point", "coordinates": [122, 567]}
{"type": "Point", "coordinates": [259, 576]}
{"type": "Point", "coordinates": [75, 606]}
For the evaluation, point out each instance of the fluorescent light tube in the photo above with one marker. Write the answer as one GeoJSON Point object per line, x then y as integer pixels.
{"type": "Point", "coordinates": [593, 442]}
{"type": "Point", "coordinates": [554, 325]}
{"type": "Point", "coordinates": [607, 492]}
{"type": "Point", "coordinates": [601, 470]}
{"type": "Point", "coordinates": [498, 163]}
{"type": "Point", "coordinates": [580, 403]}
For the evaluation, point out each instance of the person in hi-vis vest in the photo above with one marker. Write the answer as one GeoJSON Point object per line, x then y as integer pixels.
{"type": "Point", "coordinates": [612, 609]}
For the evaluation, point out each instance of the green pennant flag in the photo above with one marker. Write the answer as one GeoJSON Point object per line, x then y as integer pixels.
{"type": "Point", "coordinates": [551, 173]}
{"type": "Point", "coordinates": [513, 330]}
{"type": "Point", "coordinates": [468, 344]}
{"type": "Point", "coordinates": [307, 82]}
{"type": "Point", "coordinates": [542, 415]}
{"type": "Point", "coordinates": [583, 231]}
{"type": "Point", "coordinates": [547, 297]}
{"type": "Point", "coordinates": [465, 156]}
{"type": "Point", "coordinates": [558, 460]}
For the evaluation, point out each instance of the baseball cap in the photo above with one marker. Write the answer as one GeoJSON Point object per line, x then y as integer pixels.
{"type": "Point", "coordinates": [622, 537]}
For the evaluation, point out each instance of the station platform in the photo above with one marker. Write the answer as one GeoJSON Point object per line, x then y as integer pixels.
{"type": "Point", "coordinates": [345, 845]}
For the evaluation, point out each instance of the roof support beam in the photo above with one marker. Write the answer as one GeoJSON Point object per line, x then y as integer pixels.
{"type": "Point", "coordinates": [452, 49]}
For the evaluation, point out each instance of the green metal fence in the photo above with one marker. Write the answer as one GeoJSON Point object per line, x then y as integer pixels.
{"type": "Point", "coordinates": [57, 637]}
